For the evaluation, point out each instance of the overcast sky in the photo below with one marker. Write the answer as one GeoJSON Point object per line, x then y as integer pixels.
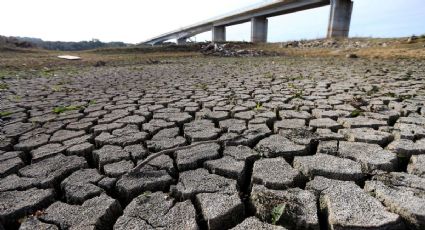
{"type": "Point", "coordinates": [134, 21]}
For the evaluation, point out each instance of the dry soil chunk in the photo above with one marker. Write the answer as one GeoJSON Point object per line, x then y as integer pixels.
{"type": "Point", "coordinates": [279, 146]}
{"type": "Point", "coordinates": [166, 139]}
{"type": "Point", "coordinates": [194, 157]}
{"type": "Point", "coordinates": [17, 204]}
{"type": "Point", "coordinates": [403, 194]}
{"type": "Point", "coordinates": [347, 206]}
{"type": "Point", "coordinates": [32, 223]}
{"type": "Point", "coordinates": [417, 165]}
{"type": "Point", "coordinates": [275, 173]}
{"type": "Point", "coordinates": [201, 130]}
{"type": "Point", "coordinates": [200, 181]}
{"type": "Point", "coordinates": [325, 123]}
{"type": "Point", "coordinates": [329, 166]}
{"type": "Point", "coordinates": [96, 213]}
{"type": "Point", "coordinates": [155, 211]}
{"type": "Point", "coordinates": [366, 135]}
{"type": "Point", "coordinates": [361, 122]}
{"type": "Point", "coordinates": [254, 223]}
{"type": "Point", "coordinates": [109, 154]}
{"type": "Point", "coordinates": [51, 171]}
{"type": "Point", "coordinates": [221, 210]}
{"type": "Point", "coordinates": [407, 147]}
{"type": "Point", "coordinates": [297, 207]}
{"type": "Point", "coordinates": [81, 185]}
{"type": "Point", "coordinates": [63, 135]}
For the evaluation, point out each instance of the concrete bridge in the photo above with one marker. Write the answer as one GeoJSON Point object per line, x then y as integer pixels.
{"type": "Point", "coordinates": [339, 20]}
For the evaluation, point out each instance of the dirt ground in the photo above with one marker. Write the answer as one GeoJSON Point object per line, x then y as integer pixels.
{"type": "Point", "coordinates": [311, 138]}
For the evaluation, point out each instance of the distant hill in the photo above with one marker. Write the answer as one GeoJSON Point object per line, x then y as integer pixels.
{"type": "Point", "coordinates": [27, 42]}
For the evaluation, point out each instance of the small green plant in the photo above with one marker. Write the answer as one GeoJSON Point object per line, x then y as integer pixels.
{"type": "Point", "coordinates": [15, 98]}
{"type": "Point", "coordinates": [202, 86]}
{"type": "Point", "coordinates": [390, 94]}
{"type": "Point", "coordinates": [92, 102]}
{"type": "Point", "coordinates": [356, 113]}
{"type": "Point", "coordinates": [62, 109]}
{"type": "Point", "coordinates": [56, 88]}
{"type": "Point", "coordinates": [5, 113]}
{"type": "Point", "coordinates": [374, 90]}
{"type": "Point", "coordinates": [258, 106]}
{"type": "Point", "coordinates": [277, 213]}
{"type": "Point", "coordinates": [4, 86]}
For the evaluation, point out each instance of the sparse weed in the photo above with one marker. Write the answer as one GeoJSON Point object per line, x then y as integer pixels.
{"type": "Point", "coordinates": [277, 213]}
{"type": "Point", "coordinates": [5, 113]}
{"type": "Point", "coordinates": [4, 86]}
{"type": "Point", "coordinates": [62, 109]}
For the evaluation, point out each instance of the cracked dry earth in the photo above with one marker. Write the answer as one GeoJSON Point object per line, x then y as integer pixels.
{"type": "Point", "coordinates": [325, 144]}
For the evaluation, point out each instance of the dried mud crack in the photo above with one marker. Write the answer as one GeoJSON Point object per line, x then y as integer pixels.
{"type": "Point", "coordinates": [287, 143]}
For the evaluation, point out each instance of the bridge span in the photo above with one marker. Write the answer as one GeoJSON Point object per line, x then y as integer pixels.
{"type": "Point", "coordinates": [339, 20]}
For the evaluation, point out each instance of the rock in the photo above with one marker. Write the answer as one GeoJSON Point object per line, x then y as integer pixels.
{"type": "Point", "coordinates": [277, 145]}
{"type": "Point", "coordinates": [17, 204]}
{"type": "Point", "coordinates": [194, 157]}
{"type": "Point", "coordinates": [401, 193]}
{"type": "Point", "coordinates": [51, 171]}
{"type": "Point", "coordinates": [294, 208]}
{"type": "Point", "coordinates": [328, 166]}
{"type": "Point", "coordinates": [406, 148]}
{"type": "Point", "coordinates": [254, 223]}
{"type": "Point", "coordinates": [96, 213]}
{"type": "Point", "coordinates": [157, 211]}
{"type": "Point", "coordinates": [346, 205]}
{"type": "Point", "coordinates": [276, 174]}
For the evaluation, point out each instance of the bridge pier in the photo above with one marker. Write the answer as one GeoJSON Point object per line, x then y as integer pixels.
{"type": "Point", "coordinates": [181, 41]}
{"type": "Point", "coordinates": [259, 29]}
{"type": "Point", "coordinates": [219, 33]}
{"type": "Point", "coordinates": [340, 18]}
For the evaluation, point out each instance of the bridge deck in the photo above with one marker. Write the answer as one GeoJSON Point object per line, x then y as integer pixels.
{"type": "Point", "coordinates": [269, 9]}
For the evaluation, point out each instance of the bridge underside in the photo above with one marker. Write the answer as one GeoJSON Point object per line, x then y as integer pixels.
{"type": "Point", "coordinates": [339, 21]}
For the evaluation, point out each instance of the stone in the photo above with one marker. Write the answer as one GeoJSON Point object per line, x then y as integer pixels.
{"type": "Point", "coordinates": [299, 210]}
{"type": "Point", "coordinates": [157, 211]}
{"type": "Point", "coordinates": [328, 166]}
{"type": "Point", "coordinates": [402, 194]}
{"type": "Point", "coordinates": [51, 171]}
{"type": "Point", "coordinates": [279, 146]}
{"type": "Point", "coordinates": [96, 213]}
{"type": "Point", "coordinates": [17, 204]}
{"type": "Point", "coordinates": [276, 174]}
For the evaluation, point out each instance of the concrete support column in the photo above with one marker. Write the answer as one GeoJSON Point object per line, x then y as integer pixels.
{"type": "Point", "coordinates": [219, 33]}
{"type": "Point", "coordinates": [339, 19]}
{"type": "Point", "coordinates": [181, 41]}
{"type": "Point", "coordinates": [259, 27]}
